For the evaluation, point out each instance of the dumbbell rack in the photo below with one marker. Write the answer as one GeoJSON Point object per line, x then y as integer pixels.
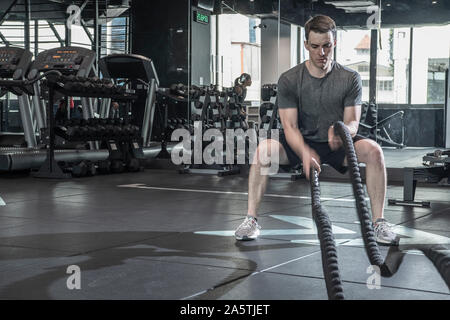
{"type": "Point", "coordinates": [211, 102]}
{"type": "Point", "coordinates": [50, 168]}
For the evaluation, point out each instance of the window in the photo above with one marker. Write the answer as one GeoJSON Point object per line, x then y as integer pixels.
{"type": "Point", "coordinates": [430, 59]}
{"type": "Point", "coordinates": [362, 52]}
{"type": "Point", "coordinates": [353, 51]}
{"type": "Point", "coordinates": [436, 80]}
{"type": "Point", "coordinates": [385, 85]}
{"type": "Point", "coordinates": [114, 36]}
{"type": "Point", "coordinates": [252, 32]}
{"type": "Point", "coordinates": [363, 68]}
{"type": "Point", "coordinates": [240, 51]}
{"type": "Point", "coordinates": [393, 66]}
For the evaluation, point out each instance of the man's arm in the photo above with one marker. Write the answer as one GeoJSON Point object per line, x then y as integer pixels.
{"type": "Point", "coordinates": [294, 138]}
{"type": "Point", "coordinates": [293, 135]}
{"type": "Point", "coordinates": [352, 115]}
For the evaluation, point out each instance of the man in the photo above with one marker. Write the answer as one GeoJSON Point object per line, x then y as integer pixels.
{"type": "Point", "coordinates": [114, 113]}
{"type": "Point", "coordinates": [240, 87]}
{"type": "Point", "coordinates": [311, 97]}
{"type": "Point", "coordinates": [61, 112]}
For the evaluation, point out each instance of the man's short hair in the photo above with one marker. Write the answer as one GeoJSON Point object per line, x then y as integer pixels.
{"type": "Point", "coordinates": [320, 24]}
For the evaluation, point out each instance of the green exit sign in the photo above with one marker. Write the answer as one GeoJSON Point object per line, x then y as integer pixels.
{"type": "Point", "coordinates": [201, 18]}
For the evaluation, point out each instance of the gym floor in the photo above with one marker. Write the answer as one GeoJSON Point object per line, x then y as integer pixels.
{"type": "Point", "coordinates": [161, 235]}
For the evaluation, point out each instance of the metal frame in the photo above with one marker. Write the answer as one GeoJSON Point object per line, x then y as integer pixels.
{"type": "Point", "coordinates": [6, 42]}
{"type": "Point", "coordinates": [7, 11]}
{"type": "Point", "coordinates": [373, 66]}
{"type": "Point", "coordinates": [89, 35]}
{"type": "Point", "coordinates": [27, 24]}
{"type": "Point", "coordinates": [410, 65]}
{"type": "Point", "coordinates": [52, 27]}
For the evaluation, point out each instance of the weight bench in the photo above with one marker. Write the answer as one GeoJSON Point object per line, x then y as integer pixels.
{"type": "Point", "coordinates": [438, 168]}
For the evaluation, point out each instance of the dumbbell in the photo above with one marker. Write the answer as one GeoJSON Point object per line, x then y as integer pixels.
{"type": "Point", "coordinates": [74, 131]}
{"type": "Point", "coordinates": [86, 86]}
{"type": "Point", "coordinates": [83, 169]}
{"type": "Point", "coordinates": [229, 124]}
{"type": "Point", "coordinates": [133, 165]}
{"type": "Point", "coordinates": [126, 130]}
{"type": "Point", "coordinates": [109, 128]}
{"type": "Point", "coordinates": [78, 170]}
{"type": "Point", "coordinates": [116, 166]}
{"type": "Point", "coordinates": [437, 153]}
{"type": "Point", "coordinates": [170, 125]}
{"type": "Point", "coordinates": [265, 107]}
{"type": "Point", "coordinates": [95, 79]}
{"type": "Point", "coordinates": [106, 81]}
{"type": "Point", "coordinates": [80, 129]}
{"type": "Point", "coordinates": [89, 131]}
{"type": "Point", "coordinates": [71, 77]}
{"type": "Point", "coordinates": [118, 90]}
{"type": "Point", "coordinates": [104, 166]}
{"type": "Point", "coordinates": [97, 130]}
{"type": "Point", "coordinates": [265, 119]}
{"type": "Point", "coordinates": [235, 118]}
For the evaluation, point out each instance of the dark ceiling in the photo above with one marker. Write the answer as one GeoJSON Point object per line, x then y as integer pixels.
{"type": "Point", "coordinates": [55, 10]}
{"type": "Point", "coordinates": [346, 13]}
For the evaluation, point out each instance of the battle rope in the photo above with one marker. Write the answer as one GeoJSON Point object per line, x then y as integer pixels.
{"type": "Point", "coordinates": [440, 257]}
{"type": "Point", "coordinates": [437, 254]}
{"type": "Point", "coordinates": [370, 244]}
{"type": "Point", "coordinates": [327, 244]}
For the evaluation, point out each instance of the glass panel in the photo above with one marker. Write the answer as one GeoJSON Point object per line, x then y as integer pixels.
{"type": "Point", "coordinates": [430, 59]}
{"type": "Point", "coordinates": [246, 41]}
{"type": "Point", "coordinates": [392, 84]}
{"type": "Point", "coordinates": [240, 51]}
{"type": "Point", "coordinates": [393, 66]}
{"type": "Point", "coordinates": [353, 51]}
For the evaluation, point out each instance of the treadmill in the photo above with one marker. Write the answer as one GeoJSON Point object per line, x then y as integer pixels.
{"type": "Point", "coordinates": [140, 72]}
{"type": "Point", "coordinates": [79, 61]}
{"type": "Point", "coordinates": [14, 64]}
{"type": "Point", "coordinates": [66, 60]}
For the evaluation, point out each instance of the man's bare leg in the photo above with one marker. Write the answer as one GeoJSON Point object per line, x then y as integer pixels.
{"type": "Point", "coordinates": [257, 182]}
{"type": "Point", "coordinates": [370, 153]}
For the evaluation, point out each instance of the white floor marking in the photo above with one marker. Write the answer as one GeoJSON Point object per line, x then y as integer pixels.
{"type": "Point", "coordinates": [143, 186]}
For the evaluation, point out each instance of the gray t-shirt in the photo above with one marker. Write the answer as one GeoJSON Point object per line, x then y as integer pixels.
{"type": "Point", "coordinates": [320, 101]}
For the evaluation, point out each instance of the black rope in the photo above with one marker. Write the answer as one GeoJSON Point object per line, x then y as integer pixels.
{"type": "Point", "coordinates": [327, 244]}
{"type": "Point", "coordinates": [441, 259]}
{"type": "Point", "coordinates": [437, 254]}
{"type": "Point", "coordinates": [368, 235]}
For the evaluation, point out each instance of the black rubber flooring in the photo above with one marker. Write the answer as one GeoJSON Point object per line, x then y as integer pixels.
{"type": "Point", "coordinates": [161, 235]}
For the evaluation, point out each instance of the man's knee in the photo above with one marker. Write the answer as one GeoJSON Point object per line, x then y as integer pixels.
{"type": "Point", "coordinates": [267, 152]}
{"type": "Point", "coordinates": [375, 155]}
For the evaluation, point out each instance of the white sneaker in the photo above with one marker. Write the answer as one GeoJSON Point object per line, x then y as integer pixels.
{"type": "Point", "coordinates": [384, 234]}
{"type": "Point", "coordinates": [248, 230]}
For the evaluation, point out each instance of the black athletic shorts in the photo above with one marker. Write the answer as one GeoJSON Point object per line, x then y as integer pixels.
{"type": "Point", "coordinates": [333, 158]}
